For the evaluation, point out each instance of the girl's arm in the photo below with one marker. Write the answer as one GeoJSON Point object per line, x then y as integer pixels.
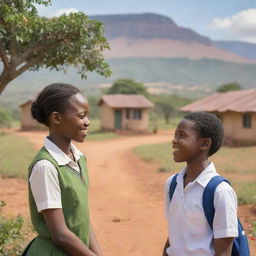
{"type": "Point", "coordinates": [167, 244]}
{"type": "Point", "coordinates": [94, 245]}
{"type": "Point", "coordinates": [223, 246]}
{"type": "Point", "coordinates": [62, 236]}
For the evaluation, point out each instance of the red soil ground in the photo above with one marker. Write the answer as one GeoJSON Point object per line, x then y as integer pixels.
{"type": "Point", "coordinates": [126, 195]}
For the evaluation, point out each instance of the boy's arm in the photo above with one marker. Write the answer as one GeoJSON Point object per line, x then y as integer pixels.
{"type": "Point", "coordinates": [167, 244]}
{"type": "Point", "coordinates": [223, 246]}
{"type": "Point", "coordinates": [94, 245]}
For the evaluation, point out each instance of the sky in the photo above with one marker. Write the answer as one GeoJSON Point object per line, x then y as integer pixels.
{"type": "Point", "coordinates": [217, 19]}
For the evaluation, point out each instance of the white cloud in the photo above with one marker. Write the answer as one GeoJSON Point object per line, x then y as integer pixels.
{"type": "Point", "coordinates": [241, 26]}
{"type": "Point", "coordinates": [65, 11]}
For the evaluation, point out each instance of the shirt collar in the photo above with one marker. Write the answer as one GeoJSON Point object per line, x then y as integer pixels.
{"type": "Point", "coordinates": [59, 155]}
{"type": "Point", "coordinates": [203, 177]}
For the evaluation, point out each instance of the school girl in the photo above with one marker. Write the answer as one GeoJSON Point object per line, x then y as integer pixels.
{"type": "Point", "coordinates": [58, 178]}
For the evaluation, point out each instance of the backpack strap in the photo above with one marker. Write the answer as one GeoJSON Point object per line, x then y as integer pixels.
{"type": "Point", "coordinates": [172, 186]}
{"type": "Point", "coordinates": [208, 198]}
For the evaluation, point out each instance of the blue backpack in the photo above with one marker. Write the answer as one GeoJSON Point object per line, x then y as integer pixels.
{"type": "Point", "coordinates": [240, 243]}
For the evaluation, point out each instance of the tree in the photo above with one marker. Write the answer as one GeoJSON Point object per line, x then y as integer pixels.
{"type": "Point", "coordinates": [229, 87]}
{"type": "Point", "coordinates": [127, 86]}
{"type": "Point", "coordinates": [166, 109]}
{"type": "Point", "coordinates": [30, 42]}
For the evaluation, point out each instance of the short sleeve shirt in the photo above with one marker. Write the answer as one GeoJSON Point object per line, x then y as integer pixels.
{"type": "Point", "coordinates": [44, 180]}
{"type": "Point", "coordinates": [189, 231]}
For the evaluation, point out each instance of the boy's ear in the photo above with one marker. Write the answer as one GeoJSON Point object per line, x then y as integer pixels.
{"type": "Point", "coordinates": [55, 118]}
{"type": "Point", "coordinates": [206, 144]}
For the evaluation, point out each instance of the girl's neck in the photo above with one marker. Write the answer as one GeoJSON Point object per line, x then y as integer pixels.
{"type": "Point", "coordinates": [63, 143]}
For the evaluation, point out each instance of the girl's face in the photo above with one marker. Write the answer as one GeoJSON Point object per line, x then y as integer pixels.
{"type": "Point", "coordinates": [186, 142]}
{"type": "Point", "coordinates": [74, 120]}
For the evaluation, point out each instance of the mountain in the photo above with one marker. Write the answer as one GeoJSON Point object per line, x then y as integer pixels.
{"type": "Point", "coordinates": [147, 26]}
{"type": "Point", "coordinates": [153, 35]}
{"type": "Point", "coordinates": [244, 49]}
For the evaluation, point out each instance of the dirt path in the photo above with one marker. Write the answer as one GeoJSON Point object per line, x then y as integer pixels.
{"type": "Point", "coordinates": [126, 195]}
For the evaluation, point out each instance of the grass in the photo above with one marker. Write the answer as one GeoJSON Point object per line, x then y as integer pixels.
{"type": "Point", "coordinates": [160, 154]}
{"type": "Point", "coordinates": [238, 161]}
{"type": "Point", "coordinates": [246, 192]}
{"type": "Point", "coordinates": [162, 125]}
{"type": "Point", "coordinates": [16, 154]}
{"type": "Point", "coordinates": [95, 133]}
{"type": "Point", "coordinates": [97, 136]}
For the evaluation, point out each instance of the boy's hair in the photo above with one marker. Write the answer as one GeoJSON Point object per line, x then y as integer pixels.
{"type": "Point", "coordinates": [208, 126]}
{"type": "Point", "coordinates": [54, 97]}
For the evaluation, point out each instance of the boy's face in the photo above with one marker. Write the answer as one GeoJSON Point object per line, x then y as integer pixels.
{"type": "Point", "coordinates": [187, 144]}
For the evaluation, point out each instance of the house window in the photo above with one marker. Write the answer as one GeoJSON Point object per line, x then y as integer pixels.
{"type": "Point", "coordinates": [137, 114]}
{"type": "Point", "coordinates": [127, 113]}
{"type": "Point", "coordinates": [247, 120]}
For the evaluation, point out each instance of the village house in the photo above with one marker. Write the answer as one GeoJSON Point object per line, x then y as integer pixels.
{"type": "Point", "coordinates": [237, 111]}
{"type": "Point", "coordinates": [127, 112]}
{"type": "Point", "coordinates": [26, 119]}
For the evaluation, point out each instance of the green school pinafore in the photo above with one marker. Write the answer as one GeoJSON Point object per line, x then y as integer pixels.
{"type": "Point", "coordinates": [74, 199]}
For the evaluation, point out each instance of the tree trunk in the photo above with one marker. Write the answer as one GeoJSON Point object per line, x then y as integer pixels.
{"type": "Point", "coordinates": [3, 84]}
{"type": "Point", "coordinates": [6, 77]}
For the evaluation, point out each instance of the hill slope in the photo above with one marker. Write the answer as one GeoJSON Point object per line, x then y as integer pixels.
{"type": "Point", "coordinates": [244, 49]}
{"type": "Point", "coordinates": [185, 77]}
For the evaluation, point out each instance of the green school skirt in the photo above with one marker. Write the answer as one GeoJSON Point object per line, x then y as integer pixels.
{"type": "Point", "coordinates": [40, 246]}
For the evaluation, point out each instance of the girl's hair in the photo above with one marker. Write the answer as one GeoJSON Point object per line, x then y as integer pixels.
{"type": "Point", "coordinates": [54, 97]}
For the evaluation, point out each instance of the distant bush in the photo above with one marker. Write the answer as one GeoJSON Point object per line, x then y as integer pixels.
{"type": "Point", "coordinates": [234, 86]}
{"type": "Point", "coordinates": [5, 118]}
{"type": "Point", "coordinates": [11, 236]}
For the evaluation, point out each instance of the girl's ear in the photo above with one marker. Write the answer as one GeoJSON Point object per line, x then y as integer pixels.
{"type": "Point", "coordinates": [55, 118]}
{"type": "Point", "coordinates": [206, 144]}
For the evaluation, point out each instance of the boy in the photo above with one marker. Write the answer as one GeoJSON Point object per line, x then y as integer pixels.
{"type": "Point", "coordinates": [197, 137]}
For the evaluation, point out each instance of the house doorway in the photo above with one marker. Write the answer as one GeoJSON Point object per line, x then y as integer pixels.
{"type": "Point", "coordinates": [118, 119]}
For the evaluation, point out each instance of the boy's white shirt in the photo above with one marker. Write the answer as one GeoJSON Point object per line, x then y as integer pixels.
{"type": "Point", "coordinates": [188, 229]}
{"type": "Point", "coordinates": [44, 181]}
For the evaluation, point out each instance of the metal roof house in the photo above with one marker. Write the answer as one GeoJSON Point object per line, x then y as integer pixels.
{"type": "Point", "coordinates": [127, 112]}
{"type": "Point", "coordinates": [236, 109]}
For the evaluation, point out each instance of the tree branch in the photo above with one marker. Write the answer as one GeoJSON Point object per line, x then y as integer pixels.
{"type": "Point", "coordinates": [36, 60]}
{"type": "Point", "coordinates": [39, 46]}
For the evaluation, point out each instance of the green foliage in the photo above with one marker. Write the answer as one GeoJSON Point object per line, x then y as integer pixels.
{"type": "Point", "coordinates": [5, 118]}
{"type": "Point", "coordinates": [229, 87]}
{"type": "Point", "coordinates": [29, 41]}
{"type": "Point", "coordinates": [127, 86]}
{"type": "Point", "coordinates": [17, 152]}
{"type": "Point", "coordinates": [11, 235]}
